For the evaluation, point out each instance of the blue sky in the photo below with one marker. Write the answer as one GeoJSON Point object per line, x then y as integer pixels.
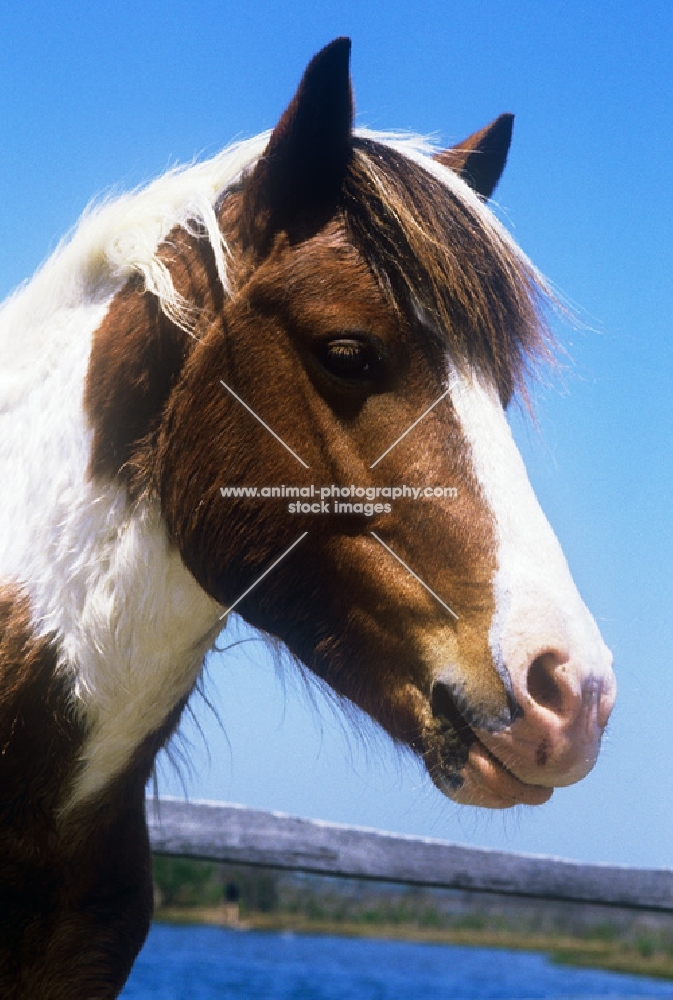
{"type": "Point", "coordinates": [104, 96]}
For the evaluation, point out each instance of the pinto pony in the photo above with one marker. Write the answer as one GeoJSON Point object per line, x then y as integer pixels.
{"type": "Point", "coordinates": [314, 306]}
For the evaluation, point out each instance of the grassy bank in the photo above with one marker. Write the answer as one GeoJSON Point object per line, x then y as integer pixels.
{"type": "Point", "coordinates": [190, 892]}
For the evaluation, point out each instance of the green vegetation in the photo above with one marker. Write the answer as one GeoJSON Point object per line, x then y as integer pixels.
{"type": "Point", "coordinates": [182, 883]}
{"type": "Point", "coordinates": [202, 892]}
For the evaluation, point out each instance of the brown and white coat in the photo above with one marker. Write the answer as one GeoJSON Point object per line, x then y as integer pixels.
{"type": "Point", "coordinates": [118, 555]}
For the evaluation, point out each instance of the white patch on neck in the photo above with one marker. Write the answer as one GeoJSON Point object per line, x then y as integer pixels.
{"type": "Point", "coordinates": [131, 624]}
{"type": "Point", "coordinates": [538, 607]}
{"type": "Point", "coordinates": [135, 626]}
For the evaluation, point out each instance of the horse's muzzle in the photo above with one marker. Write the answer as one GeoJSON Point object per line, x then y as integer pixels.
{"type": "Point", "coordinates": [553, 739]}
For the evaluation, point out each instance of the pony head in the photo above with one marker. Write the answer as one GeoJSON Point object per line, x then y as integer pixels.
{"type": "Point", "coordinates": [334, 455]}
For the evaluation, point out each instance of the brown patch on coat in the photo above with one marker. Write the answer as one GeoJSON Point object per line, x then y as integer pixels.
{"type": "Point", "coordinates": [75, 895]}
{"type": "Point", "coordinates": [136, 358]}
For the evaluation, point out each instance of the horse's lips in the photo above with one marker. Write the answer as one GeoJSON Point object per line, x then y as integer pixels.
{"type": "Point", "coordinates": [488, 782]}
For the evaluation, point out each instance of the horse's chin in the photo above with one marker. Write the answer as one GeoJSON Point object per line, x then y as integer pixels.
{"type": "Point", "coordinates": [487, 782]}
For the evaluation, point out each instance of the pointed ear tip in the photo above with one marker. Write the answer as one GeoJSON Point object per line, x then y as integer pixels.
{"type": "Point", "coordinates": [332, 60]}
{"type": "Point", "coordinates": [505, 122]}
{"type": "Point", "coordinates": [339, 47]}
{"type": "Point", "coordinates": [342, 42]}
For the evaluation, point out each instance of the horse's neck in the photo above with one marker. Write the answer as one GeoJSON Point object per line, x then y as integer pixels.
{"type": "Point", "coordinates": [130, 623]}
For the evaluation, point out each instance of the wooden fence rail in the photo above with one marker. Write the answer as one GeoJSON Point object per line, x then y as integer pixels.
{"type": "Point", "coordinates": [239, 835]}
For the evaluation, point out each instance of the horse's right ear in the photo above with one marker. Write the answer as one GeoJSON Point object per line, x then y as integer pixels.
{"type": "Point", "coordinates": [480, 159]}
{"type": "Point", "coordinates": [298, 178]}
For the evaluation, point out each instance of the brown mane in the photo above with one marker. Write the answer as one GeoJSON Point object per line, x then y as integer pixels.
{"type": "Point", "coordinates": [441, 263]}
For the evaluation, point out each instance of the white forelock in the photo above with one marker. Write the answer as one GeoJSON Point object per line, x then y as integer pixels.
{"type": "Point", "coordinates": [120, 237]}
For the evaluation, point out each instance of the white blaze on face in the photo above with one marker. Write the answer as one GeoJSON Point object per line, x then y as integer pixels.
{"type": "Point", "coordinates": [542, 636]}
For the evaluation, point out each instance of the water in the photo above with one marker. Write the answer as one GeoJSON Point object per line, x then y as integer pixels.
{"type": "Point", "coordinates": [205, 963]}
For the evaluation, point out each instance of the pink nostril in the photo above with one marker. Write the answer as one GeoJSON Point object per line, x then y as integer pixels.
{"type": "Point", "coordinates": [549, 686]}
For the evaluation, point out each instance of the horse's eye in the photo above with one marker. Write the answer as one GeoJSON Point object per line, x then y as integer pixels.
{"type": "Point", "coordinates": [350, 359]}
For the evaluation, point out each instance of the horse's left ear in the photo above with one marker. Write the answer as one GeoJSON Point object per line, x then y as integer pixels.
{"type": "Point", "coordinates": [480, 159]}
{"type": "Point", "coordinates": [299, 176]}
